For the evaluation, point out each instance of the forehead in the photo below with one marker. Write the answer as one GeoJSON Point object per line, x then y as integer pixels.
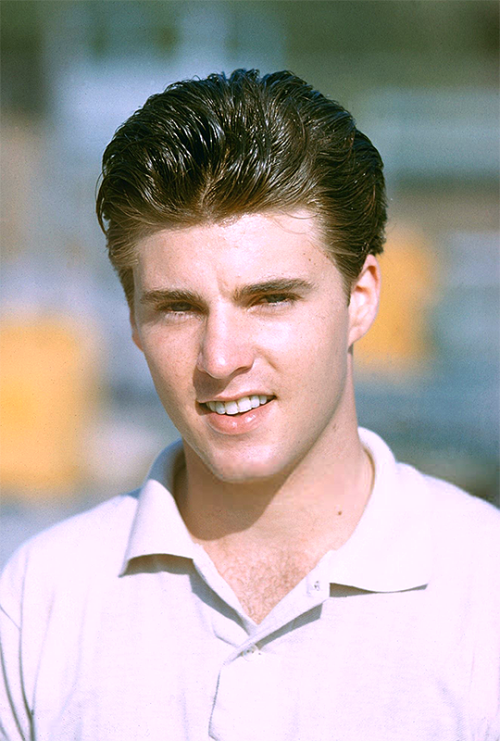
{"type": "Point", "coordinates": [253, 242]}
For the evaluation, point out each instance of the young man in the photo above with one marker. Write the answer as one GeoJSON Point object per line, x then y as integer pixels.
{"type": "Point", "coordinates": [279, 575]}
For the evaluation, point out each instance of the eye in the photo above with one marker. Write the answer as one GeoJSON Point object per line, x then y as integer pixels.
{"type": "Point", "coordinates": [178, 307]}
{"type": "Point", "coordinates": [176, 310]}
{"type": "Point", "coordinates": [276, 299]}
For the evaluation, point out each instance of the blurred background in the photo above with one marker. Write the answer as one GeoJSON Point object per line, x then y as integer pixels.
{"type": "Point", "coordinates": [80, 419]}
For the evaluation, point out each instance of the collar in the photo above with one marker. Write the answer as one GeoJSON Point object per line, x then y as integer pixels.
{"type": "Point", "coordinates": [389, 551]}
{"type": "Point", "coordinates": [158, 526]}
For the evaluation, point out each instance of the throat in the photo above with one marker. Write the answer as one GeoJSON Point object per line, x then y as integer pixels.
{"type": "Point", "coordinates": [272, 517]}
{"type": "Point", "coordinates": [261, 580]}
{"type": "Point", "coordinates": [263, 558]}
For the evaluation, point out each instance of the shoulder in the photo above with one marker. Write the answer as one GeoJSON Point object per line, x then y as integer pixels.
{"type": "Point", "coordinates": [465, 530]}
{"type": "Point", "coordinates": [95, 530]}
{"type": "Point", "coordinates": [95, 539]}
{"type": "Point", "coordinates": [459, 532]}
{"type": "Point", "coordinates": [449, 510]}
{"type": "Point", "coordinates": [435, 500]}
{"type": "Point", "coordinates": [451, 507]}
{"type": "Point", "coordinates": [77, 555]}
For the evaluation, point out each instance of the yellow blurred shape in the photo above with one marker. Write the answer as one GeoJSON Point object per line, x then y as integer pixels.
{"type": "Point", "coordinates": [47, 391]}
{"type": "Point", "coordinates": [398, 342]}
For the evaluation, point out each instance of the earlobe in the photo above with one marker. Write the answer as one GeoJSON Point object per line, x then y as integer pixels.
{"type": "Point", "coordinates": [364, 302]}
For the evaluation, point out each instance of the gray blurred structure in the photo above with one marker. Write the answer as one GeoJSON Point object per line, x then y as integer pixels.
{"type": "Point", "coordinates": [436, 134]}
{"type": "Point", "coordinates": [422, 81]}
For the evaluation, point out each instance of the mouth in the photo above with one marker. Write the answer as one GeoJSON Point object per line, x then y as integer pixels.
{"type": "Point", "coordinates": [237, 406]}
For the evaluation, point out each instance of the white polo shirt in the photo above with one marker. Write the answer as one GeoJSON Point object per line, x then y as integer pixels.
{"type": "Point", "coordinates": [115, 626]}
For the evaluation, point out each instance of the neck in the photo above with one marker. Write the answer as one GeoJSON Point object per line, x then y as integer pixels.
{"type": "Point", "coordinates": [323, 497]}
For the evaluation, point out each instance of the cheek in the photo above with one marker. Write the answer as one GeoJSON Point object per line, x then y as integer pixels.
{"type": "Point", "coordinates": [309, 331]}
{"type": "Point", "coordinates": [325, 361]}
{"type": "Point", "coordinates": [312, 371]}
{"type": "Point", "coordinates": [321, 340]}
{"type": "Point", "coordinates": [170, 365]}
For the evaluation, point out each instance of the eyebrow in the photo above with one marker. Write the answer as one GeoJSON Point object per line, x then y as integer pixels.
{"type": "Point", "coordinates": [273, 285]}
{"type": "Point", "coordinates": [165, 295]}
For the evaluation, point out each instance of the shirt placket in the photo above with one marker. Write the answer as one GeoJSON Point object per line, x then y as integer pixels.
{"type": "Point", "coordinates": [253, 697]}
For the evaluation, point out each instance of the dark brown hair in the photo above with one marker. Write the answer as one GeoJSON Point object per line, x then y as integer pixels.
{"type": "Point", "coordinates": [206, 150]}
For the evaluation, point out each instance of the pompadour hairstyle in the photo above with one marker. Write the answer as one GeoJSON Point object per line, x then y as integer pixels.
{"type": "Point", "coordinates": [205, 150]}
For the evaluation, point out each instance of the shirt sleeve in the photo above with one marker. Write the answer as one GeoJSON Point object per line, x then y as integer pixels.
{"type": "Point", "coordinates": [15, 717]}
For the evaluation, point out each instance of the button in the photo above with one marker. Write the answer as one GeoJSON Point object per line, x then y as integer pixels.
{"type": "Point", "coordinates": [317, 586]}
{"type": "Point", "coordinates": [250, 651]}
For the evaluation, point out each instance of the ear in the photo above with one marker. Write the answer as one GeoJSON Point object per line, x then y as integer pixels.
{"type": "Point", "coordinates": [135, 332]}
{"type": "Point", "coordinates": [365, 294]}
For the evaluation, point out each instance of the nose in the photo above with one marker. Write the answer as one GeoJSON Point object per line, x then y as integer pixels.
{"type": "Point", "coordinates": [225, 346]}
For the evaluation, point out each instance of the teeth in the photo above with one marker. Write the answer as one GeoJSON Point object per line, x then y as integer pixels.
{"type": "Point", "coordinates": [231, 407]}
{"type": "Point", "coordinates": [244, 404]}
{"type": "Point", "coordinates": [240, 405]}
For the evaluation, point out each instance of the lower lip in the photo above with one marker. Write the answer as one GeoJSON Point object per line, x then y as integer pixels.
{"type": "Point", "coordinates": [238, 424]}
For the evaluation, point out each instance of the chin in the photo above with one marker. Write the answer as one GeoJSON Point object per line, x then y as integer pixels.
{"type": "Point", "coordinates": [247, 469]}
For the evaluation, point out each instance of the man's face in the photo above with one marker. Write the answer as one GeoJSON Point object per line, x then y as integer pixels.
{"type": "Point", "coordinates": [249, 316]}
